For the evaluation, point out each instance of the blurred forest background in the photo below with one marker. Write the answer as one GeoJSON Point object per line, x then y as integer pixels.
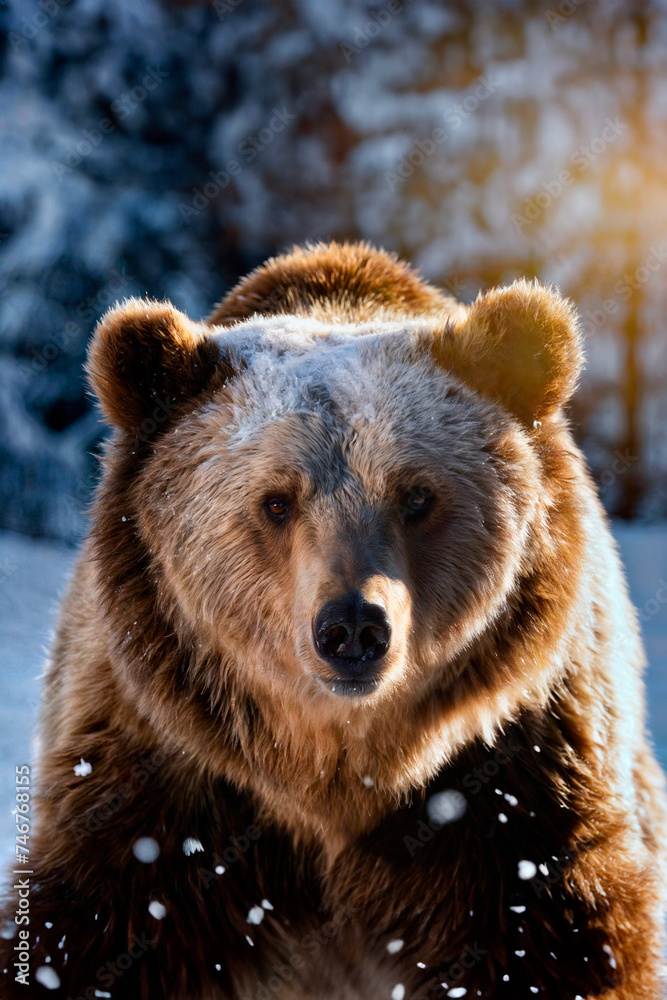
{"type": "Point", "coordinates": [164, 148]}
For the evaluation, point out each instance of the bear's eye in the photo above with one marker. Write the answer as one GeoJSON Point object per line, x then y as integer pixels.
{"type": "Point", "coordinates": [277, 508]}
{"type": "Point", "coordinates": [417, 501]}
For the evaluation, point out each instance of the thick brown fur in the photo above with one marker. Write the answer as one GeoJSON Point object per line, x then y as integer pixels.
{"type": "Point", "coordinates": [184, 668]}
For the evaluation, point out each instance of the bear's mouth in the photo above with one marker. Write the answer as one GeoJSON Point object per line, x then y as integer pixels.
{"type": "Point", "coordinates": [346, 688]}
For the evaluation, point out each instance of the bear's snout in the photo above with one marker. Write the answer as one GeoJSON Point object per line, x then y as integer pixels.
{"type": "Point", "coordinates": [352, 636]}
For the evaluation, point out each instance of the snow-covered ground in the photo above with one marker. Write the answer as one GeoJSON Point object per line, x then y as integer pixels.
{"type": "Point", "coordinates": [33, 575]}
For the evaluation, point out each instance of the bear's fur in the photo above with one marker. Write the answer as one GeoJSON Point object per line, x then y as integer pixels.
{"type": "Point", "coordinates": [477, 812]}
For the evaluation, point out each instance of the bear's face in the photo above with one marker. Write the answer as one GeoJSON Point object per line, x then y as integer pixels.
{"type": "Point", "coordinates": [333, 514]}
{"type": "Point", "coordinates": [342, 517]}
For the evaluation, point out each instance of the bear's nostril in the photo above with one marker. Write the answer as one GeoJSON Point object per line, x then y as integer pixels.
{"type": "Point", "coordinates": [373, 642]}
{"type": "Point", "coordinates": [336, 640]}
{"type": "Point", "coordinates": [351, 633]}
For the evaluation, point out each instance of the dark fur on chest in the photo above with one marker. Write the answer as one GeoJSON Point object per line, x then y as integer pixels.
{"type": "Point", "coordinates": [452, 893]}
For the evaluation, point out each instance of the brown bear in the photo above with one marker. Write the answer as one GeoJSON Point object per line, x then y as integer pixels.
{"type": "Point", "coordinates": [345, 701]}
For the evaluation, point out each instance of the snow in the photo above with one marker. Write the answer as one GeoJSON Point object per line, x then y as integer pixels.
{"type": "Point", "coordinates": [48, 977]}
{"type": "Point", "coordinates": [83, 769]}
{"type": "Point", "coordinates": [146, 850]}
{"type": "Point", "coordinates": [191, 846]}
{"type": "Point", "coordinates": [255, 915]}
{"type": "Point", "coordinates": [34, 573]}
{"type": "Point", "coordinates": [157, 910]}
{"type": "Point", "coordinates": [446, 807]}
{"type": "Point", "coordinates": [527, 870]}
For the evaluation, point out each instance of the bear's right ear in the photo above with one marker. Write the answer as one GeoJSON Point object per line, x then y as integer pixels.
{"type": "Point", "coordinates": [147, 356]}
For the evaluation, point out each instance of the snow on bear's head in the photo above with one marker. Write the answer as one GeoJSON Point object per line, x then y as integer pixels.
{"type": "Point", "coordinates": [325, 518]}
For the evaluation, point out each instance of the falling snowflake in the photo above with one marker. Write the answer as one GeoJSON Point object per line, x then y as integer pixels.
{"type": "Point", "coordinates": [255, 915]}
{"type": "Point", "coordinates": [157, 910]}
{"type": "Point", "coordinates": [394, 946]}
{"type": "Point", "coordinates": [82, 770]}
{"type": "Point", "coordinates": [145, 849]}
{"type": "Point", "coordinates": [527, 870]}
{"type": "Point", "coordinates": [48, 977]}
{"type": "Point", "coordinates": [446, 807]}
{"type": "Point", "coordinates": [191, 845]}
{"type": "Point", "coordinates": [398, 992]}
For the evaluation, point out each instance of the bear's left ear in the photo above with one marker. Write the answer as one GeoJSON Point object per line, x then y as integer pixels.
{"type": "Point", "coordinates": [519, 346]}
{"type": "Point", "coordinates": [147, 357]}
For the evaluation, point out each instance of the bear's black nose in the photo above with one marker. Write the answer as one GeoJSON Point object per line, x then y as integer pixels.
{"type": "Point", "coordinates": [352, 635]}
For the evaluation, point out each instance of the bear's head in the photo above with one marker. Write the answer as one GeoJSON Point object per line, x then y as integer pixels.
{"type": "Point", "coordinates": [347, 525]}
